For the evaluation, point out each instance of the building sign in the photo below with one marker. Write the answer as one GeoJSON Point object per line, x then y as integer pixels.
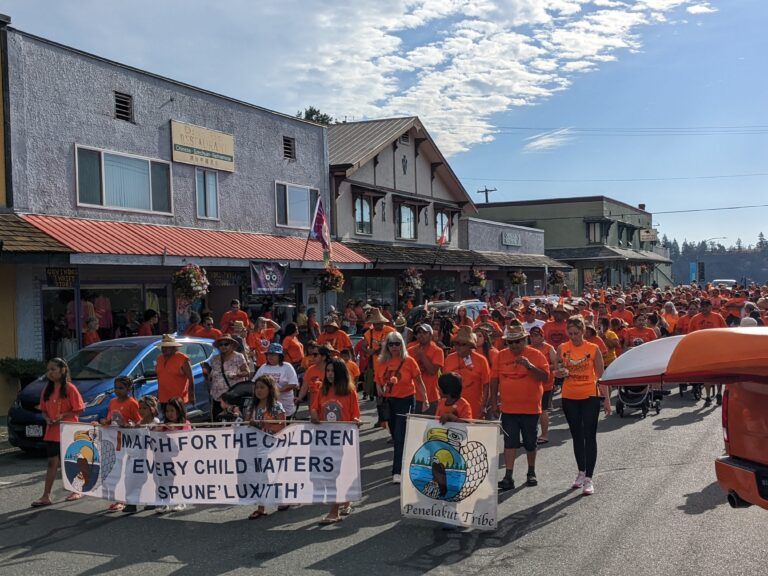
{"type": "Point", "coordinates": [221, 278]}
{"type": "Point", "coordinates": [202, 147]}
{"type": "Point", "coordinates": [268, 278]}
{"type": "Point", "coordinates": [61, 277]}
{"type": "Point", "coordinates": [649, 235]}
{"type": "Point", "coordinates": [511, 239]}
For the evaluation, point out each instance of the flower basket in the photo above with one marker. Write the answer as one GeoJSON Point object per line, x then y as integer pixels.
{"type": "Point", "coordinates": [331, 279]}
{"type": "Point", "coordinates": [410, 282]}
{"type": "Point", "coordinates": [556, 277]}
{"type": "Point", "coordinates": [518, 278]}
{"type": "Point", "coordinates": [644, 269]}
{"type": "Point", "coordinates": [477, 278]}
{"type": "Point", "coordinates": [190, 283]}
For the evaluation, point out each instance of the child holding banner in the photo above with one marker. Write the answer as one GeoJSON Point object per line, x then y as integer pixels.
{"type": "Point", "coordinates": [148, 409]}
{"type": "Point", "coordinates": [451, 406]}
{"type": "Point", "coordinates": [267, 414]}
{"type": "Point", "coordinates": [336, 401]}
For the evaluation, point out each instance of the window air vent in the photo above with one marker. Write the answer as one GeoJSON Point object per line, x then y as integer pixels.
{"type": "Point", "coordinates": [123, 106]}
{"type": "Point", "coordinates": [405, 138]}
{"type": "Point", "coordinates": [289, 148]}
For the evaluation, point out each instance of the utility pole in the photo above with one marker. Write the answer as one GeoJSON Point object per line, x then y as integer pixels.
{"type": "Point", "coordinates": [486, 191]}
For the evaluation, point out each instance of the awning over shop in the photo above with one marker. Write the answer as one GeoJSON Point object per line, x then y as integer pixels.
{"type": "Point", "coordinates": [19, 236]}
{"type": "Point", "coordinates": [101, 237]}
{"type": "Point", "coordinates": [606, 253]}
{"type": "Point", "coordinates": [425, 257]}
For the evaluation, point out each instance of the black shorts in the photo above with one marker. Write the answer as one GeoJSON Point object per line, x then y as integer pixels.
{"type": "Point", "coordinates": [52, 449]}
{"type": "Point", "coordinates": [546, 400]}
{"type": "Point", "coordinates": [516, 425]}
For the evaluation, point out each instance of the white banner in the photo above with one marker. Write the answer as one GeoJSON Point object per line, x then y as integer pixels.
{"type": "Point", "coordinates": [303, 464]}
{"type": "Point", "coordinates": [449, 473]}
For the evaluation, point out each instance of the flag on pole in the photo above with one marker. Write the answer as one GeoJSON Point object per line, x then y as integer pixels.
{"type": "Point", "coordinates": [443, 237]}
{"type": "Point", "coordinates": [320, 231]}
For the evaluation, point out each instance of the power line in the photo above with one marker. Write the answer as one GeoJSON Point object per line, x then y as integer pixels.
{"type": "Point", "coordinates": [571, 180]}
{"type": "Point", "coordinates": [713, 128]}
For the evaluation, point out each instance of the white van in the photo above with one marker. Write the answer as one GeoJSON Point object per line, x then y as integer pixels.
{"type": "Point", "coordinates": [725, 282]}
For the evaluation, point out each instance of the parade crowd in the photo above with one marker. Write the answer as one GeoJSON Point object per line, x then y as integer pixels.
{"type": "Point", "coordinates": [506, 365]}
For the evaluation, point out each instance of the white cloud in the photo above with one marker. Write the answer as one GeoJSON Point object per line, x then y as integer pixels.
{"type": "Point", "coordinates": [700, 9]}
{"type": "Point", "coordinates": [454, 63]}
{"type": "Point", "coordinates": [547, 141]}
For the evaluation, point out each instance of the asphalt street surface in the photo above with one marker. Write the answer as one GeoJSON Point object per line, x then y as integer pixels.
{"type": "Point", "coordinates": [657, 510]}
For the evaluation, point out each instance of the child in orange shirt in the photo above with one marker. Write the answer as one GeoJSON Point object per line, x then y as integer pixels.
{"type": "Point", "coordinates": [452, 407]}
{"type": "Point", "coordinates": [354, 370]}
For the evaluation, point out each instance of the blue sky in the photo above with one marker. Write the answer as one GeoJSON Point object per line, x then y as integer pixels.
{"type": "Point", "coordinates": [586, 80]}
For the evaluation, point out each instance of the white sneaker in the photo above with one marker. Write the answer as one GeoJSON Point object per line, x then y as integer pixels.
{"type": "Point", "coordinates": [396, 479]}
{"type": "Point", "coordinates": [179, 507]}
{"type": "Point", "coordinates": [588, 489]}
{"type": "Point", "coordinates": [162, 509]}
{"type": "Point", "coordinates": [579, 482]}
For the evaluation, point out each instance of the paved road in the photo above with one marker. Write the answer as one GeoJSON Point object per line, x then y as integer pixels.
{"type": "Point", "coordinates": [657, 510]}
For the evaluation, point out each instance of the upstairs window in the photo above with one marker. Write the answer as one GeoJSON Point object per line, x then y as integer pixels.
{"type": "Point", "coordinates": [442, 224]}
{"type": "Point", "coordinates": [295, 205]}
{"type": "Point", "coordinates": [207, 192]}
{"type": "Point", "coordinates": [405, 138]}
{"type": "Point", "coordinates": [595, 232]}
{"type": "Point", "coordinates": [363, 215]}
{"type": "Point", "coordinates": [289, 148]}
{"type": "Point", "coordinates": [123, 182]}
{"type": "Point", "coordinates": [405, 222]}
{"type": "Point", "coordinates": [123, 106]}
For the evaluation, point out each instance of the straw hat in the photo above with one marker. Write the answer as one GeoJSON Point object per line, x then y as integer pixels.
{"type": "Point", "coordinates": [400, 321]}
{"type": "Point", "coordinates": [330, 322]}
{"type": "Point", "coordinates": [564, 308]}
{"type": "Point", "coordinates": [224, 338]}
{"type": "Point", "coordinates": [238, 325]}
{"type": "Point", "coordinates": [465, 336]}
{"type": "Point", "coordinates": [515, 332]}
{"type": "Point", "coordinates": [376, 317]}
{"type": "Point", "coordinates": [169, 341]}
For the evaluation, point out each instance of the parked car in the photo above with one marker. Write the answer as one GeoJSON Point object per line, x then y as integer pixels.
{"type": "Point", "coordinates": [724, 282]}
{"type": "Point", "coordinates": [94, 369]}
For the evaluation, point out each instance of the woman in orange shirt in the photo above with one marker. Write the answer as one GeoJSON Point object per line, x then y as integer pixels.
{"type": "Point", "coordinates": [580, 364]}
{"type": "Point", "coordinates": [59, 402]}
{"type": "Point", "coordinates": [336, 401]}
{"type": "Point", "coordinates": [397, 376]}
{"type": "Point", "coordinates": [292, 348]}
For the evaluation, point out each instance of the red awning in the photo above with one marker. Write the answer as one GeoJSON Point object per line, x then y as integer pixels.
{"type": "Point", "coordinates": [129, 238]}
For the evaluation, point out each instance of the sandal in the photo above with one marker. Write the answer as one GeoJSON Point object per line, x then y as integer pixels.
{"type": "Point", "coordinates": [74, 496]}
{"type": "Point", "coordinates": [41, 502]}
{"type": "Point", "coordinates": [330, 520]}
{"type": "Point", "coordinates": [256, 515]}
{"type": "Point", "coordinates": [116, 507]}
{"type": "Point", "coordinates": [542, 441]}
{"type": "Point", "coordinates": [345, 510]}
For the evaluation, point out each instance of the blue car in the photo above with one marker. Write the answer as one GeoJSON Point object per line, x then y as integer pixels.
{"type": "Point", "coordinates": [94, 369]}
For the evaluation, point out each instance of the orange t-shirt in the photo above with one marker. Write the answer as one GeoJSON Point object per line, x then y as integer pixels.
{"type": "Point", "coordinates": [405, 385]}
{"type": "Point", "coordinates": [293, 350]}
{"type": "Point", "coordinates": [375, 340]}
{"type": "Point", "coordinates": [581, 382]}
{"type": "Point", "coordinates": [339, 340]}
{"type": "Point", "coordinates": [632, 334]}
{"type": "Point", "coordinates": [213, 333]}
{"type": "Point", "coordinates": [354, 369]}
{"type": "Point", "coordinates": [600, 343]}
{"type": "Point", "coordinates": [475, 378]}
{"type": "Point", "coordinates": [90, 337]}
{"type": "Point", "coordinates": [171, 380]}
{"type": "Point", "coordinates": [519, 390]}
{"type": "Point", "coordinates": [704, 322]}
{"type": "Point", "coordinates": [546, 349]}
{"type": "Point", "coordinates": [313, 376]}
{"type": "Point", "coordinates": [55, 406]}
{"type": "Point", "coordinates": [124, 411]}
{"type": "Point", "coordinates": [625, 315]}
{"type": "Point", "coordinates": [461, 409]}
{"type": "Point", "coordinates": [683, 324]}
{"type": "Point", "coordinates": [435, 355]}
{"type": "Point", "coordinates": [555, 333]}
{"type": "Point", "coordinates": [195, 330]}
{"type": "Point", "coordinates": [671, 320]}
{"type": "Point", "coordinates": [230, 317]}
{"type": "Point", "coordinates": [259, 341]}
{"type": "Point", "coordinates": [333, 408]}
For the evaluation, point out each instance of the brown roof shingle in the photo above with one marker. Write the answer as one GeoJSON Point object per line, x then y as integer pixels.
{"type": "Point", "coordinates": [20, 236]}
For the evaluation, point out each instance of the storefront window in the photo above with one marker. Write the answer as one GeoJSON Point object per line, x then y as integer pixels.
{"type": "Point", "coordinates": [368, 289]}
{"type": "Point", "coordinates": [60, 323]}
{"type": "Point", "coordinates": [158, 299]}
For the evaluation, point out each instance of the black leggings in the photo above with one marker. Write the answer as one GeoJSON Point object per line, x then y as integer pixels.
{"type": "Point", "coordinates": [582, 416]}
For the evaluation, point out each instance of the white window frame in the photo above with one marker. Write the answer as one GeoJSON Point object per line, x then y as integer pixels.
{"type": "Point", "coordinates": [597, 228]}
{"type": "Point", "coordinates": [287, 214]}
{"type": "Point", "coordinates": [149, 160]}
{"type": "Point", "coordinates": [398, 226]}
{"type": "Point", "coordinates": [369, 200]}
{"type": "Point", "coordinates": [218, 204]}
{"type": "Point", "coordinates": [438, 232]}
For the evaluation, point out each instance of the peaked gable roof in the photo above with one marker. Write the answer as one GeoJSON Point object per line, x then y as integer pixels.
{"type": "Point", "coordinates": [352, 144]}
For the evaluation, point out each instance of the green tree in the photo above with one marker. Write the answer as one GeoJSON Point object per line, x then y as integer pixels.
{"type": "Point", "coordinates": [762, 243]}
{"type": "Point", "coordinates": [314, 115]}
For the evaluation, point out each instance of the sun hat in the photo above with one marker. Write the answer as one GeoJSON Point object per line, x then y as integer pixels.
{"type": "Point", "coordinates": [376, 317]}
{"type": "Point", "coordinates": [275, 348]}
{"type": "Point", "coordinates": [400, 321]}
{"type": "Point", "coordinates": [465, 336]}
{"type": "Point", "coordinates": [169, 341]}
{"type": "Point", "coordinates": [224, 338]}
{"type": "Point", "coordinates": [515, 332]}
{"type": "Point", "coordinates": [238, 325]}
{"type": "Point", "coordinates": [423, 328]}
{"type": "Point", "coordinates": [330, 322]}
{"type": "Point", "coordinates": [748, 322]}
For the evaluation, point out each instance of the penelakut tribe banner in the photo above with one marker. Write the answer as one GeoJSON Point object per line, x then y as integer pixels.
{"type": "Point", "coordinates": [302, 464]}
{"type": "Point", "coordinates": [449, 473]}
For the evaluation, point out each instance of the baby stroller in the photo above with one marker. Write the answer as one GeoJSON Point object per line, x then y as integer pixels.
{"type": "Point", "coordinates": [638, 397]}
{"type": "Point", "coordinates": [238, 399]}
{"type": "Point", "coordinates": [695, 390]}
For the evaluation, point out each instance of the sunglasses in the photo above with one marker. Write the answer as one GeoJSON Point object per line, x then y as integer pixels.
{"type": "Point", "coordinates": [223, 344]}
{"type": "Point", "coordinates": [520, 341]}
{"type": "Point", "coordinates": [394, 344]}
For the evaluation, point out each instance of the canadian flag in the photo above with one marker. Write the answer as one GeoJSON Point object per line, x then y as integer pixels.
{"type": "Point", "coordinates": [443, 237]}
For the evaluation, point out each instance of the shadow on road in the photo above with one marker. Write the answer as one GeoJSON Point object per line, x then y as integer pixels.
{"type": "Point", "coordinates": [707, 499]}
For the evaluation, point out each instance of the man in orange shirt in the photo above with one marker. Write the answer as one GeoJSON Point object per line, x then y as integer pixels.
{"type": "Point", "coordinates": [705, 320]}
{"type": "Point", "coordinates": [684, 321]}
{"type": "Point", "coordinates": [259, 340]}
{"type": "Point", "coordinates": [234, 313]}
{"type": "Point", "coordinates": [472, 367]}
{"type": "Point", "coordinates": [638, 334]}
{"type": "Point", "coordinates": [292, 348]}
{"type": "Point", "coordinates": [555, 331]}
{"type": "Point", "coordinates": [430, 358]}
{"type": "Point", "coordinates": [517, 385]}
{"type": "Point", "coordinates": [335, 338]}
{"type": "Point", "coordinates": [622, 312]}
{"type": "Point", "coordinates": [207, 330]}
{"type": "Point", "coordinates": [174, 373]}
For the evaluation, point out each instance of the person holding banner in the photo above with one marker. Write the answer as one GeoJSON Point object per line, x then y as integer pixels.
{"type": "Point", "coordinates": [430, 358]}
{"type": "Point", "coordinates": [517, 386]}
{"type": "Point", "coordinates": [174, 373]}
{"type": "Point", "coordinates": [397, 376]}
{"type": "Point", "coordinates": [60, 401]}
{"type": "Point", "coordinates": [336, 401]}
{"type": "Point", "coordinates": [580, 364]}
{"type": "Point", "coordinates": [473, 368]}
